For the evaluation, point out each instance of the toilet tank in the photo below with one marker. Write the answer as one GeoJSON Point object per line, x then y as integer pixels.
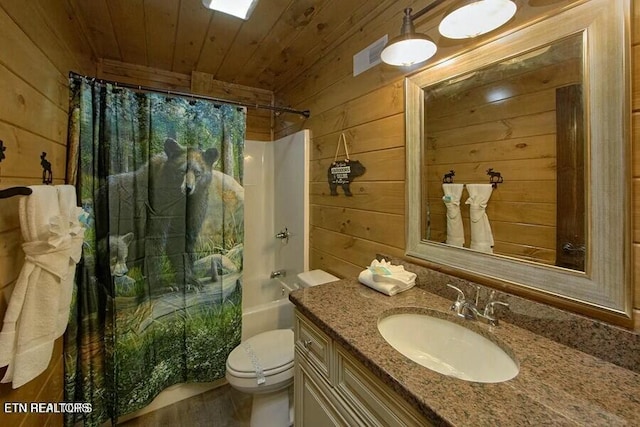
{"type": "Point", "coordinates": [314, 278]}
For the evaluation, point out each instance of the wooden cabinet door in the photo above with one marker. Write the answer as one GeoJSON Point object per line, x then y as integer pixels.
{"type": "Point", "coordinates": [312, 407]}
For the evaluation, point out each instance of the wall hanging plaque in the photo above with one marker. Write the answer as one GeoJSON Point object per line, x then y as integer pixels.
{"type": "Point", "coordinates": [342, 172]}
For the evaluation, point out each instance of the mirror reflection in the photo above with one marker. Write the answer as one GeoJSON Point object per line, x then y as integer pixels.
{"type": "Point", "coordinates": [504, 158]}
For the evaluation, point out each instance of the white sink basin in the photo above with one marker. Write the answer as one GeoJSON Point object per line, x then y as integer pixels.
{"type": "Point", "coordinates": [447, 348]}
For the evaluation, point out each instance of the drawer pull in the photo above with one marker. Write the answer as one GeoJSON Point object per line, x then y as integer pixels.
{"type": "Point", "coordinates": [307, 343]}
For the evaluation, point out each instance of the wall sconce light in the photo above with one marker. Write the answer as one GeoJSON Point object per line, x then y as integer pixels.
{"type": "Point", "coordinates": [473, 18]}
{"type": "Point", "coordinates": [238, 8]}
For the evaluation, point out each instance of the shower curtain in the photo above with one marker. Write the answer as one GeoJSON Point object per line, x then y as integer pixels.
{"type": "Point", "coordinates": [158, 297]}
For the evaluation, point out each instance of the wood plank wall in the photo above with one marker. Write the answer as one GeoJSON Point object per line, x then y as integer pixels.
{"type": "Point", "coordinates": [38, 48]}
{"type": "Point", "coordinates": [505, 120]}
{"type": "Point", "coordinates": [346, 233]}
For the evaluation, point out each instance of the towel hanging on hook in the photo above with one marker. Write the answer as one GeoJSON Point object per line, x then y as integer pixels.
{"type": "Point", "coordinates": [38, 309]}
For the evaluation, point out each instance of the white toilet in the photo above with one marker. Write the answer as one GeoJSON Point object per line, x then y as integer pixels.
{"type": "Point", "coordinates": [263, 366]}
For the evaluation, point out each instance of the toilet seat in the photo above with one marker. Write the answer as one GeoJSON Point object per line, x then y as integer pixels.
{"type": "Point", "coordinates": [273, 352]}
{"type": "Point", "coordinates": [253, 374]}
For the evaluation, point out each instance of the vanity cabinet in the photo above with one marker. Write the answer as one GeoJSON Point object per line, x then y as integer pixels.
{"type": "Point", "coordinates": [332, 388]}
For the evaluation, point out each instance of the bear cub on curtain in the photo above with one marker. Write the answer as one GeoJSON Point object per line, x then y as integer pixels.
{"type": "Point", "coordinates": [164, 204]}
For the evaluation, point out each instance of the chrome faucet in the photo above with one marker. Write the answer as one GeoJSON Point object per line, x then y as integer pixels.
{"type": "Point", "coordinates": [469, 309]}
{"type": "Point", "coordinates": [278, 273]}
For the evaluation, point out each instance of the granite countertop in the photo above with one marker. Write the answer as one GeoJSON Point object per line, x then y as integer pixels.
{"type": "Point", "coordinates": [557, 385]}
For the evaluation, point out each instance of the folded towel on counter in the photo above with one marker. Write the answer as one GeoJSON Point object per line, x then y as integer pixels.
{"type": "Point", "coordinates": [387, 278]}
{"type": "Point", "coordinates": [384, 271]}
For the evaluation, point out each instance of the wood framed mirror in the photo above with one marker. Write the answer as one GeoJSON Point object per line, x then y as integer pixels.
{"type": "Point", "coordinates": [545, 112]}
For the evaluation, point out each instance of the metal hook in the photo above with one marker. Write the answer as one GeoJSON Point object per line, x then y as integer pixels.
{"type": "Point", "coordinates": [448, 177]}
{"type": "Point", "coordinates": [495, 177]}
{"type": "Point", "coordinates": [47, 174]}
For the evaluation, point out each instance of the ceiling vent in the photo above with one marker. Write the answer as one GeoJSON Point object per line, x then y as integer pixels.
{"type": "Point", "coordinates": [369, 56]}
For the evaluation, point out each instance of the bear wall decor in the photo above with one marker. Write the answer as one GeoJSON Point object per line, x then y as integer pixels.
{"type": "Point", "coordinates": [342, 172]}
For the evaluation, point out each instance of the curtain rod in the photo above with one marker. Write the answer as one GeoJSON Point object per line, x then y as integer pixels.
{"type": "Point", "coordinates": [305, 113]}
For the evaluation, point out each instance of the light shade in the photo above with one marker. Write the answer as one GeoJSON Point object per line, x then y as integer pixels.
{"type": "Point", "coordinates": [408, 51]}
{"type": "Point", "coordinates": [409, 47]}
{"type": "Point", "coordinates": [239, 8]}
{"type": "Point", "coordinates": [477, 17]}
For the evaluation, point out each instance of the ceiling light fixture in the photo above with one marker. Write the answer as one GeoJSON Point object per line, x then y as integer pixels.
{"type": "Point", "coordinates": [238, 8]}
{"type": "Point", "coordinates": [473, 18]}
{"type": "Point", "coordinates": [409, 47]}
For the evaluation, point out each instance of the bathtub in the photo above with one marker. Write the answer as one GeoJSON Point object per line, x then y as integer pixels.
{"type": "Point", "coordinates": [277, 313]}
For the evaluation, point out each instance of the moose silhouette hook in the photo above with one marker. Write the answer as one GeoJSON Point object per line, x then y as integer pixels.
{"type": "Point", "coordinates": [495, 177]}
{"type": "Point", "coordinates": [448, 177]}
{"type": "Point", "coordinates": [47, 174]}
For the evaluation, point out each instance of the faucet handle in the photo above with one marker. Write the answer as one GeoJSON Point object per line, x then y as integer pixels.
{"type": "Point", "coordinates": [488, 309]}
{"type": "Point", "coordinates": [461, 296]}
{"type": "Point", "coordinates": [284, 235]}
{"type": "Point", "coordinates": [278, 273]}
{"type": "Point", "coordinates": [459, 302]}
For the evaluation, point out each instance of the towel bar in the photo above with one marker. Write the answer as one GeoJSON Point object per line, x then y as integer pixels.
{"type": "Point", "coordinates": [15, 191]}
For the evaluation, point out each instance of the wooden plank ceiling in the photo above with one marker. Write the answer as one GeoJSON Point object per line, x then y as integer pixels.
{"type": "Point", "coordinates": [279, 42]}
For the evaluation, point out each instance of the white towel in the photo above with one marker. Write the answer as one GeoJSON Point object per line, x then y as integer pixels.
{"type": "Point", "coordinates": [451, 199]}
{"type": "Point", "coordinates": [31, 322]}
{"type": "Point", "coordinates": [383, 271]}
{"type": "Point", "coordinates": [69, 213]}
{"type": "Point", "coordinates": [387, 278]}
{"type": "Point", "coordinates": [481, 236]}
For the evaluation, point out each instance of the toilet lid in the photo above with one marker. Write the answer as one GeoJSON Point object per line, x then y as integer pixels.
{"type": "Point", "coordinates": [271, 350]}
{"type": "Point", "coordinates": [316, 277]}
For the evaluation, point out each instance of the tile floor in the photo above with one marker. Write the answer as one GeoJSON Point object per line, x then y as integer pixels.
{"type": "Point", "coordinates": [220, 407]}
